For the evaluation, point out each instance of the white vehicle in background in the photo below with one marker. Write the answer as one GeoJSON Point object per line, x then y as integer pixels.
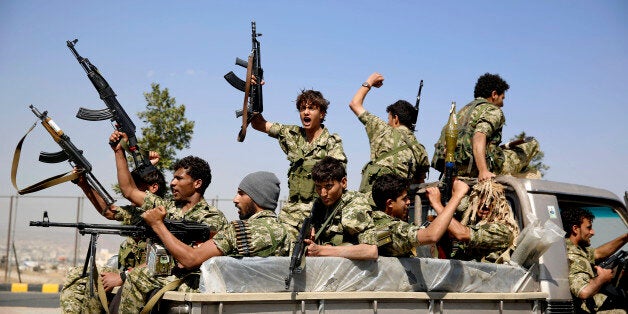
{"type": "Point", "coordinates": [413, 285]}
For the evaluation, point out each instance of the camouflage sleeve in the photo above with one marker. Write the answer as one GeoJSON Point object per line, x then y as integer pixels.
{"type": "Point", "coordinates": [225, 240]}
{"type": "Point", "coordinates": [128, 214]}
{"type": "Point", "coordinates": [489, 119]}
{"type": "Point", "coordinates": [212, 217]}
{"type": "Point", "coordinates": [275, 129]}
{"type": "Point", "coordinates": [151, 201]}
{"type": "Point", "coordinates": [335, 149]}
{"type": "Point", "coordinates": [408, 232]}
{"type": "Point", "coordinates": [579, 272]}
{"type": "Point", "coordinates": [423, 162]}
{"type": "Point", "coordinates": [490, 236]}
{"type": "Point", "coordinates": [356, 220]}
{"type": "Point", "coordinates": [284, 133]}
{"type": "Point", "coordinates": [215, 220]}
{"type": "Point", "coordinates": [403, 238]}
{"type": "Point", "coordinates": [373, 124]}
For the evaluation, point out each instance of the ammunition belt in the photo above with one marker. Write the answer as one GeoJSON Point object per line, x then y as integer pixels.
{"type": "Point", "coordinates": [243, 237]}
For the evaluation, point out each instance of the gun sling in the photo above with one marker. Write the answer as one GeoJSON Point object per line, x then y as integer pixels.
{"type": "Point", "coordinates": [52, 181]}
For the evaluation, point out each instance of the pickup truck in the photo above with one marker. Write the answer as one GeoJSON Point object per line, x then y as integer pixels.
{"type": "Point", "coordinates": [413, 285]}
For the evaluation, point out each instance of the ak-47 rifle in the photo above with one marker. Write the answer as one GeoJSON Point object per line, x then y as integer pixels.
{"type": "Point", "coordinates": [113, 112]}
{"type": "Point", "coordinates": [451, 139]}
{"type": "Point", "coordinates": [69, 152]}
{"type": "Point", "coordinates": [188, 232]}
{"type": "Point", "coordinates": [298, 253]}
{"type": "Point", "coordinates": [614, 260]}
{"type": "Point", "coordinates": [253, 100]}
{"type": "Point", "coordinates": [416, 106]}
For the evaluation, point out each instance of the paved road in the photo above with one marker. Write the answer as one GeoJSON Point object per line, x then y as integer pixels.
{"type": "Point", "coordinates": [29, 302]}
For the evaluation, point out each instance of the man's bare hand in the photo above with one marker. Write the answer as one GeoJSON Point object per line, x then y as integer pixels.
{"type": "Point", "coordinates": [376, 80]}
{"type": "Point", "coordinates": [115, 140]}
{"type": "Point", "coordinates": [110, 280]}
{"type": "Point", "coordinates": [154, 216]}
{"type": "Point", "coordinates": [153, 157]}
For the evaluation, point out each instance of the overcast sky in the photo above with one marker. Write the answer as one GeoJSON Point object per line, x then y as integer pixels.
{"type": "Point", "coordinates": [566, 63]}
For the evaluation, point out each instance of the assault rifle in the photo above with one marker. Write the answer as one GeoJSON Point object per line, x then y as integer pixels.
{"type": "Point", "coordinates": [618, 258]}
{"type": "Point", "coordinates": [188, 232]}
{"type": "Point", "coordinates": [451, 139]}
{"type": "Point", "coordinates": [253, 100]}
{"type": "Point", "coordinates": [113, 112]}
{"type": "Point", "coordinates": [298, 253]}
{"type": "Point", "coordinates": [69, 152]}
{"type": "Point", "coordinates": [416, 106]}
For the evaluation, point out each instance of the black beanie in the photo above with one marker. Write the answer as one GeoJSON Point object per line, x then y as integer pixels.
{"type": "Point", "coordinates": [262, 187]}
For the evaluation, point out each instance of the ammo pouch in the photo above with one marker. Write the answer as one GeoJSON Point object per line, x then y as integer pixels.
{"type": "Point", "coordinates": [301, 183]}
{"type": "Point", "coordinates": [159, 261]}
{"type": "Point", "coordinates": [370, 173]}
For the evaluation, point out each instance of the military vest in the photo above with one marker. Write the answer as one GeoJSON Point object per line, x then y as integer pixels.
{"type": "Point", "coordinates": [464, 145]}
{"type": "Point", "coordinates": [372, 170]}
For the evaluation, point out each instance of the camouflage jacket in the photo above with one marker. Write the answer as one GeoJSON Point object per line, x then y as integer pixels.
{"type": "Point", "coordinates": [393, 150]}
{"type": "Point", "coordinates": [201, 212]}
{"type": "Point", "coordinates": [396, 237]}
{"type": "Point", "coordinates": [477, 116]}
{"type": "Point", "coordinates": [302, 156]}
{"type": "Point", "coordinates": [260, 235]}
{"type": "Point", "coordinates": [488, 241]}
{"type": "Point", "coordinates": [132, 251]}
{"type": "Point", "coordinates": [350, 221]}
{"type": "Point", "coordinates": [580, 273]}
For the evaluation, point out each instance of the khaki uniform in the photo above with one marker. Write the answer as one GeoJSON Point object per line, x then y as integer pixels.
{"type": "Point", "coordinates": [580, 273]}
{"type": "Point", "coordinates": [393, 150]}
{"type": "Point", "coordinates": [75, 296]}
{"type": "Point", "coordinates": [260, 235]}
{"type": "Point", "coordinates": [484, 117]}
{"type": "Point", "coordinates": [488, 241]}
{"type": "Point", "coordinates": [350, 221]}
{"type": "Point", "coordinates": [396, 237]}
{"type": "Point", "coordinates": [139, 281]}
{"type": "Point", "coordinates": [303, 155]}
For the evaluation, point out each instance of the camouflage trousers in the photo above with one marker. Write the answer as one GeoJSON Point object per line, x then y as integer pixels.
{"type": "Point", "coordinates": [519, 157]}
{"type": "Point", "coordinates": [138, 284]}
{"type": "Point", "coordinates": [76, 297]}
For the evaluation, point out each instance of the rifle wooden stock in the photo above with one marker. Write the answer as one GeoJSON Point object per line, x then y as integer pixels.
{"type": "Point", "coordinates": [253, 100]}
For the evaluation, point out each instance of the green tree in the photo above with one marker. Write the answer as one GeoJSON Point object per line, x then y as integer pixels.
{"type": "Point", "coordinates": [536, 164]}
{"type": "Point", "coordinates": [165, 130]}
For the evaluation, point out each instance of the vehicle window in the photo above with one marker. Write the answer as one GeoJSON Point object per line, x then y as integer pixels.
{"type": "Point", "coordinates": [607, 224]}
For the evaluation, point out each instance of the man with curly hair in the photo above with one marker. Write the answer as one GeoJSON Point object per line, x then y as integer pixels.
{"type": "Point", "coordinates": [478, 152]}
{"type": "Point", "coordinates": [304, 145]}
{"type": "Point", "coordinates": [588, 286]}
{"type": "Point", "coordinates": [192, 176]}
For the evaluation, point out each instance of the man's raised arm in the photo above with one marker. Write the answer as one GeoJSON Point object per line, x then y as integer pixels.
{"type": "Point", "coordinates": [357, 103]}
{"type": "Point", "coordinates": [125, 180]}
